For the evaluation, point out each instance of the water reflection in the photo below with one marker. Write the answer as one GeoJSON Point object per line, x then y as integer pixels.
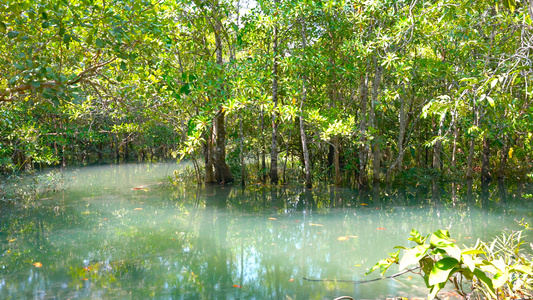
{"type": "Point", "coordinates": [104, 239]}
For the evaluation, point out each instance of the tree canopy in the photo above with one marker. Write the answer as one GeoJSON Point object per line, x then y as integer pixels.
{"type": "Point", "coordinates": [342, 91]}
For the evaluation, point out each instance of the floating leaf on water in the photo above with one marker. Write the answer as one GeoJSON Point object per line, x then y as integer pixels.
{"type": "Point", "coordinates": [364, 204]}
{"type": "Point", "coordinates": [10, 241]}
{"type": "Point", "coordinates": [38, 264]}
{"type": "Point", "coordinates": [313, 224]}
{"type": "Point", "coordinates": [353, 236]}
{"type": "Point", "coordinates": [381, 228]}
{"type": "Point", "coordinates": [291, 280]}
{"type": "Point", "coordinates": [138, 208]}
{"type": "Point", "coordinates": [84, 279]}
{"type": "Point", "coordinates": [237, 286]}
{"type": "Point", "coordinates": [357, 265]}
{"type": "Point", "coordinates": [296, 220]}
{"type": "Point", "coordinates": [342, 238]}
{"type": "Point", "coordinates": [272, 218]}
{"type": "Point", "coordinates": [410, 277]}
{"type": "Point", "coordinates": [136, 189]}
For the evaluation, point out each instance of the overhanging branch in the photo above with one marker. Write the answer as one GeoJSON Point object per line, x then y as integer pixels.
{"type": "Point", "coordinates": [7, 94]}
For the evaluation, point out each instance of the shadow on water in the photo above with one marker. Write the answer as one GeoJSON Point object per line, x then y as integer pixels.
{"type": "Point", "coordinates": [119, 233]}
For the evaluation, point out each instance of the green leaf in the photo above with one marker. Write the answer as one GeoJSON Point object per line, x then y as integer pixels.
{"type": "Point", "coordinates": [13, 34]}
{"type": "Point", "coordinates": [413, 256]}
{"type": "Point", "coordinates": [19, 66]}
{"type": "Point", "coordinates": [384, 264]}
{"type": "Point", "coordinates": [500, 264]}
{"type": "Point", "coordinates": [468, 261]}
{"type": "Point", "coordinates": [472, 251]}
{"type": "Point", "coordinates": [489, 267]}
{"type": "Point", "coordinates": [35, 84]}
{"type": "Point", "coordinates": [99, 43]}
{"type": "Point", "coordinates": [453, 251]}
{"type": "Point", "coordinates": [45, 24]}
{"type": "Point", "coordinates": [494, 82]}
{"type": "Point", "coordinates": [440, 238]}
{"type": "Point", "coordinates": [13, 79]}
{"type": "Point", "coordinates": [441, 270]}
{"type": "Point", "coordinates": [491, 101]}
{"type": "Point", "coordinates": [67, 38]}
{"type": "Point", "coordinates": [89, 39]}
{"type": "Point", "coordinates": [521, 268]}
{"type": "Point", "coordinates": [485, 280]}
{"type": "Point", "coordinates": [427, 264]}
{"type": "Point", "coordinates": [510, 4]}
{"type": "Point", "coordinates": [3, 27]}
{"type": "Point", "coordinates": [123, 66]}
{"type": "Point", "coordinates": [435, 289]}
{"type": "Point", "coordinates": [416, 236]}
{"type": "Point", "coordinates": [499, 279]}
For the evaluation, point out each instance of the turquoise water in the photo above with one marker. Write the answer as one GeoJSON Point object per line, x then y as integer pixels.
{"type": "Point", "coordinates": [124, 232]}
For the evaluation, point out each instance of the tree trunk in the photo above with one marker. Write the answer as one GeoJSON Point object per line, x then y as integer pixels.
{"type": "Point", "coordinates": [376, 159]}
{"type": "Point", "coordinates": [363, 149]}
{"type": "Point", "coordinates": [305, 151]}
{"type": "Point", "coordinates": [485, 162]}
{"type": "Point", "coordinates": [222, 172]}
{"type": "Point", "coordinates": [286, 158]}
{"type": "Point", "coordinates": [336, 160]}
{"type": "Point", "coordinates": [333, 99]}
{"type": "Point", "coordinates": [437, 148]}
{"type": "Point", "coordinates": [274, 147]}
{"type": "Point", "coordinates": [208, 155]}
{"type": "Point", "coordinates": [117, 148]}
{"type": "Point", "coordinates": [503, 160]}
{"type": "Point", "coordinates": [263, 150]}
{"type": "Point", "coordinates": [454, 145]}
{"type": "Point", "coordinates": [401, 136]}
{"type": "Point", "coordinates": [241, 138]}
{"type": "Point", "coordinates": [470, 162]}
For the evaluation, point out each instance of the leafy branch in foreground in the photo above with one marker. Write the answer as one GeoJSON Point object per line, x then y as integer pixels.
{"type": "Point", "coordinates": [495, 270]}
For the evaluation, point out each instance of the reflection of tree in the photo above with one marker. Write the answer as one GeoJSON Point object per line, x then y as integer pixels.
{"type": "Point", "coordinates": [196, 243]}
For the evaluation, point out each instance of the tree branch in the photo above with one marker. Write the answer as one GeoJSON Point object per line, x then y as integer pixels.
{"type": "Point", "coordinates": [6, 95]}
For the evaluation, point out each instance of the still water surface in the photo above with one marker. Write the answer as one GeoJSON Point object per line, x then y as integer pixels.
{"type": "Point", "coordinates": [124, 232]}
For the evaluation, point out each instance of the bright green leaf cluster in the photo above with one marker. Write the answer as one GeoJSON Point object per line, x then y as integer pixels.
{"type": "Point", "coordinates": [442, 260]}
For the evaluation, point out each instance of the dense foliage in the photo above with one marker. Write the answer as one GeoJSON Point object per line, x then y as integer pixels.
{"type": "Point", "coordinates": [347, 91]}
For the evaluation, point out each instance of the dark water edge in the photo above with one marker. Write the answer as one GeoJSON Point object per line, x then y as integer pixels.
{"type": "Point", "coordinates": [101, 238]}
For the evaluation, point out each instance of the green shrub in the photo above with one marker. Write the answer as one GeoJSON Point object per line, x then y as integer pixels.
{"type": "Point", "coordinates": [496, 270]}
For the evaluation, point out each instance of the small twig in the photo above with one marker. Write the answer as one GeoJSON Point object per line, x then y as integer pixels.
{"type": "Point", "coordinates": [363, 281]}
